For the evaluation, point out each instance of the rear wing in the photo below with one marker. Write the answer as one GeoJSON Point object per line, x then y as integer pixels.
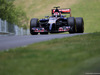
{"type": "Point", "coordinates": [63, 11]}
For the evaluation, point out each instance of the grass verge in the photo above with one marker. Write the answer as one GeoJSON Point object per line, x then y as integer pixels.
{"type": "Point", "coordinates": [89, 10]}
{"type": "Point", "coordinates": [67, 56]}
{"type": "Point", "coordinates": [41, 8]}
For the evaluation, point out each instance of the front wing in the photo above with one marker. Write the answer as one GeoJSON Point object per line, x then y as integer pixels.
{"type": "Point", "coordinates": [60, 29]}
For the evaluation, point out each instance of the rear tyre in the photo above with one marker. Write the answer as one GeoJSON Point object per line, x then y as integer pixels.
{"type": "Point", "coordinates": [33, 23]}
{"type": "Point", "coordinates": [71, 23]}
{"type": "Point", "coordinates": [43, 33]}
{"type": "Point", "coordinates": [79, 25]}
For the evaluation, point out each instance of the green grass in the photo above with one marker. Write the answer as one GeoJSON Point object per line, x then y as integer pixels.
{"type": "Point", "coordinates": [41, 8]}
{"type": "Point", "coordinates": [90, 11]}
{"type": "Point", "coordinates": [67, 56]}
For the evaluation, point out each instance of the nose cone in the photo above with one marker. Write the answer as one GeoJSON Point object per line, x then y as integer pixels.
{"type": "Point", "coordinates": [50, 27]}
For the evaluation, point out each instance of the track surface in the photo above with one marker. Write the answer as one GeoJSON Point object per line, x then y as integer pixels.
{"type": "Point", "coordinates": [7, 42]}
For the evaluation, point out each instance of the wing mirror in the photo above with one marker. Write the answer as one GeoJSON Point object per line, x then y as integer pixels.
{"type": "Point", "coordinates": [63, 15]}
{"type": "Point", "coordinates": [46, 16]}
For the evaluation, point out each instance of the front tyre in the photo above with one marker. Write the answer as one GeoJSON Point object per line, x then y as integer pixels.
{"type": "Point", "coordinates": [71, 23]}
{"type": "Point", "coordinates": [79, 25]}
{"type": "Point", "coordinates": [33, 23]}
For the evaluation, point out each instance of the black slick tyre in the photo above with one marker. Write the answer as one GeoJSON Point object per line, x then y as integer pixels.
{"type": "Point", "coordinates": [33, 23]}
{"type": "Point", "coordinates": [71, 23]}
{"type": "Point", "coordinates": [79, 25]}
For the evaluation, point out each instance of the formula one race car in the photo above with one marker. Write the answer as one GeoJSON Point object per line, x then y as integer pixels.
{"type": "Point", "coordinates": [57, 23]}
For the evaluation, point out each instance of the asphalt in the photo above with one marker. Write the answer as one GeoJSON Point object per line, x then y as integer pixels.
{"type": "Point", "coordinates": [8, 42]}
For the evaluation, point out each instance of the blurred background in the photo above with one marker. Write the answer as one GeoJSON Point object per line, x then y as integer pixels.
{"type": "Point", "coordinates": [15, 13]}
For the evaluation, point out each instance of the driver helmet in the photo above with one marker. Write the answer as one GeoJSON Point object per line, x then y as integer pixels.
{"type": "Point", "coordinates": [57, 14]}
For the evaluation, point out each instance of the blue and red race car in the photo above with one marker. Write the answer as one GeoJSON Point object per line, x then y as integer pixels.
{"type": "Point", "coordinates": [57, 23]}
